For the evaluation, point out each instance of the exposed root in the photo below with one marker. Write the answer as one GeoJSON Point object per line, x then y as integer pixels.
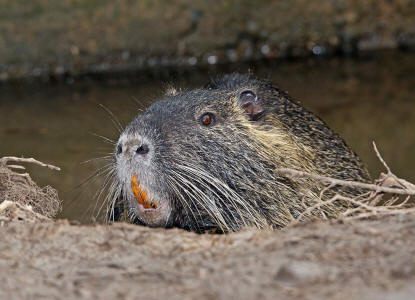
{"type": "Point", "coordinates": [20, 197]}
{"type": "Point", "coordinates": [372, 202]}
{"type": "Point", "coordinates": [5, 160]}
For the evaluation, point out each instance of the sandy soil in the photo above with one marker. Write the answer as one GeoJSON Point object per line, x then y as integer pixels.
{"type": "Point", "coordinates": [365, 260]}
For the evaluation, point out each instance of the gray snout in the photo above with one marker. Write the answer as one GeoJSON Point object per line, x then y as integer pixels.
{"type": "Point", "coordinates": [133, 148]}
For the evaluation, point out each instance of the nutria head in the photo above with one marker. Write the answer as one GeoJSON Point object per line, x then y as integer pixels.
{"type": "Point", "coordinates": [208, 158]}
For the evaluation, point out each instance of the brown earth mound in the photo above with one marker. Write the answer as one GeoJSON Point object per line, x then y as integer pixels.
{"type": "Point", "coordinates": [363, 258]}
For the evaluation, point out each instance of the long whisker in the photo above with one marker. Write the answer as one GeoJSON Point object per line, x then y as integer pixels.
{"type": "Point", "coordinates": [176, 186]}
{"type": "Point", "coordinates": [140, 105]}
{"type": "Point", "coordinates": [115, 190]}
{"type": "Point", "coordinates": [95, 174]}
{"type": "Point", "coordinates": [113, 118]}
{"type": "Point", "coordinates": [104, 158]}
{"type": "Point", "coordinates": [103, 187]}
{"type": "Point", "coordinates": [104, 138]}
{"type": "Point", "coordinates": [108, 174]}
{"type": "Point", "coordinates": [219, 197]}
{"type": "Point", "coordinates": [208, 205]}
{"type": "Point", "coordinates": [105, 170]}
{"type": "Point", "coordinates": [229, 194]}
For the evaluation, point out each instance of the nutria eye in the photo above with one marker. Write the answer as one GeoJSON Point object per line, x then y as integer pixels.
{"type": "Point", "coordinates": [207, 119]}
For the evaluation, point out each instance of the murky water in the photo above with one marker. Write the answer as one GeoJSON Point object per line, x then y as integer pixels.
{"type": "Point", "coordinates": [364, 100]}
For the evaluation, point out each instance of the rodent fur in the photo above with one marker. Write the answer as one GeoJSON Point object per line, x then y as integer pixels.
{"type": "Point", "coordinates": [225, 176]}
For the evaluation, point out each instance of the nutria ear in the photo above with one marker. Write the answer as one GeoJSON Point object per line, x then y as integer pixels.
{"type": "Point", "coordinates": [248, 101]}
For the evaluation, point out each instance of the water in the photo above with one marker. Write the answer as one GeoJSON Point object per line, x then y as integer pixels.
{"type": "Point", "coordinates": [364, 100]}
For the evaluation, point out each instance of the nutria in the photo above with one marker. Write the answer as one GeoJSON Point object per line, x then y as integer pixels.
{"type": "Point", "coordinates": [208, 159]}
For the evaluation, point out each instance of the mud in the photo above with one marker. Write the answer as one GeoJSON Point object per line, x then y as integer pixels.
{"type": "Point", "coordinates": [366, 260]}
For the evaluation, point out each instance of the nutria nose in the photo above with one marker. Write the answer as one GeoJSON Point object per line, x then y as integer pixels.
{"type": "Point", "coordinates": [133, 146]}
{"type": "Point", "coordinates": [119, 149]}
{"type": "Point", "coordinates": [142, 150]}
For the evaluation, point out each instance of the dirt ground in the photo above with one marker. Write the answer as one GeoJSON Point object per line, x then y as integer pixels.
{"type": "Point", "coordinates": [360, 260]}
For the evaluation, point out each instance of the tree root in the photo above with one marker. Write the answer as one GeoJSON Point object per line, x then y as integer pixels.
{"type": "Point", "coordinates": [20, 197]}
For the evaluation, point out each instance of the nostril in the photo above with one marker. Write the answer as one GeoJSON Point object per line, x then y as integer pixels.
{"type": "Point", "coordinates": [143, 149]}
{"type": "Point", "coordinates": [119, 149]}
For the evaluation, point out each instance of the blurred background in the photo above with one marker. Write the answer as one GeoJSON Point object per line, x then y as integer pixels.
{"type": "Point", "coordinates": [352, 62]}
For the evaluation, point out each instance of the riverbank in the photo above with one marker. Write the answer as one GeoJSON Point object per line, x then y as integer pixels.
{"type": "Point", "coordinates": [367, 259]}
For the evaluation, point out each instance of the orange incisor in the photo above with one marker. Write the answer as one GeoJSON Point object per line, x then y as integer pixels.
{"type": "Point", "coordinates": [141, 194]}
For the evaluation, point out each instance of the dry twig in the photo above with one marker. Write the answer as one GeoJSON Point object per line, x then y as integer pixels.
{"type": "Point", "coordinates": [367, 204]}
{"type": "Point", "coordinates": [5, 160]}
